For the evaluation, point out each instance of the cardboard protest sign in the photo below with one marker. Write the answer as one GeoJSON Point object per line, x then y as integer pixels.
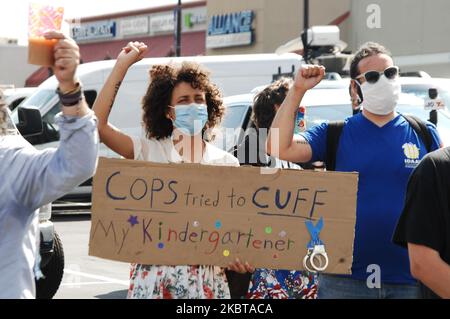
{"type": "Point", "coordinates": [189, 214]}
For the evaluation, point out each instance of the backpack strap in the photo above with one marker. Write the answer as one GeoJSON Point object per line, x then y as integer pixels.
{"type": "Point", "coordinates": [421, 129]}
{"type": "Point", "coordinates": [334, 132]}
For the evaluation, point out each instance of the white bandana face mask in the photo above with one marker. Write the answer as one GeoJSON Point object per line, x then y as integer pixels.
{"type": "Point", "coordinates": [381, 98]}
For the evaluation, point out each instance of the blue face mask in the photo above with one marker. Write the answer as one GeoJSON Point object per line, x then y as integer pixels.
{"type": "Point", "coordinates": [190, 119]}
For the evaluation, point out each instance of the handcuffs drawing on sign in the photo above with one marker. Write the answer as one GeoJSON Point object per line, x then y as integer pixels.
{"type": "Point", "coordinates": [316, 249]}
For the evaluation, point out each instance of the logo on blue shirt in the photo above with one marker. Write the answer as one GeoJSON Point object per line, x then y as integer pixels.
{"type": "Point", "coordinates": [412, 154]}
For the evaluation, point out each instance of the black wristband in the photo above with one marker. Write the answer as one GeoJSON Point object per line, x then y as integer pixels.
{"type": "Point", "coordinates": [71, 99]}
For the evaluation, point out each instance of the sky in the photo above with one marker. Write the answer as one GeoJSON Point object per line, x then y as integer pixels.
{"type": "Point", "coordinates": [14, 14]}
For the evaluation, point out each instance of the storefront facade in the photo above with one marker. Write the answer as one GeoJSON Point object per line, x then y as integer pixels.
{"type": "Point", "coordinates": [216, 27]}
{"type": "Point", "coordinates": [261, 26]}
{"type": "Point", "coordinates": [103, 37]}
{"type": "Point", "coordinates": [210, 27]}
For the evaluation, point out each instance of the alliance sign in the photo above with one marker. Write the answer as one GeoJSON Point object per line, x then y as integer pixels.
{"type": "Point", "coordinates": [232, 29]}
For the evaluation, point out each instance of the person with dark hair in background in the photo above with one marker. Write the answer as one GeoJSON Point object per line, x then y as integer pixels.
{"type": "Point", "coordinates": [31, 178]}
{"type": "Point", "coordinates": [252, 151]}
{"type": "Point", "coordinates": [383, 147]}
{"type": "Point", "coordinates": [268, 283]}
{"type": "Point", "coordinates": [424, 227]}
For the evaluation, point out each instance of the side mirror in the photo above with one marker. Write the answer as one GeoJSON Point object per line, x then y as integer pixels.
{"type": "Point", "coordinates": [30, 122]}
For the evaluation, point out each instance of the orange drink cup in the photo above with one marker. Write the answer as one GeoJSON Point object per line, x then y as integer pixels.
{"type": "Point", "coordinates": [40, 51]}
{"type": "Point", "coordinates": [42, 18]}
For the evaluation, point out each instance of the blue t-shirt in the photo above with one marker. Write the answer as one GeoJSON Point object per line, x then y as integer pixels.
{"type": "Point", "coordinates": [384, 158]}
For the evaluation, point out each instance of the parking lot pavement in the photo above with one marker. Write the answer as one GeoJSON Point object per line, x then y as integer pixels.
{"type": "Point", "coordinates": [87, 277]}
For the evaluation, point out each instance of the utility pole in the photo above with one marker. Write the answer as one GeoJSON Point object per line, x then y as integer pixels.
{"type": "Point", "coordinates": [178, 29]}
{"type": "Point", "coordinates": [305, 30]}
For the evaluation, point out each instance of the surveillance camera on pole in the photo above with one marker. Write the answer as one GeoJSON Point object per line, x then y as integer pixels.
{"type": "Point", "coordinates": [324, 47]}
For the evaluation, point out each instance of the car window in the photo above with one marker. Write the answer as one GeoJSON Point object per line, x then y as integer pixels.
{"type": "Point", "coordinates": [443, 119]}
{"type": "Point", "coordinates": [49, 118]}
{"type": "Point", "coordinates": [39, 98]}
{"type": "Point", "coordinates": [231, 130]}
{"type": "Point", "coordinates": [13, 105]}
{"type": "Point", "coordinates": [51, 129]}
{"type": "Point", "coordinates": [421, 90]}
{"type": "Point", "coordinates": [234, 116]}
{"type": "Point", "coordinates": [317, 114]}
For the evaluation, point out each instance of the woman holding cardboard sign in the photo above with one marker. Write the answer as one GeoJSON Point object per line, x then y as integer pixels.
{"type": "Point", "coordinates": [180, 107]}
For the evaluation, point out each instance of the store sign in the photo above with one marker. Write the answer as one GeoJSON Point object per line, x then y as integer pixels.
{"type": "Point", "coordinates": [228, 40]}
{"type": "Point", "coordinates": [233, 29]}
{"type": "Point", "coordinates": [162, 23]}
{"type": "Point", "coordinates": [193, 19]}
{"type": "Point", "coordinates": [92, 31]}
{"type": "Point", "coordinates": [134, 26]}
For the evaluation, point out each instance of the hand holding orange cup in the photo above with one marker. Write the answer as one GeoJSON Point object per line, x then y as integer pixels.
{"type": "Point", "coordinates": [41, 19]}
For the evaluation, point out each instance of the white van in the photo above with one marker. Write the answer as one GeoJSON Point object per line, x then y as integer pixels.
{"type": "Point", "coordinates": [234, 74]}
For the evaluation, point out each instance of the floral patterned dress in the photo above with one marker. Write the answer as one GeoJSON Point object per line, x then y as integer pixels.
{"type": "Point", "coordinates": [282, 284]}
{"type": "Point", "coordinates": [177, 282]}
{"type": "Point", "coordinates": [180, 282]}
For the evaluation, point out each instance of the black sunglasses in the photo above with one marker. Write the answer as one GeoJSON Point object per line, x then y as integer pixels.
{"type": "Point", "coordinates": [372, 77]}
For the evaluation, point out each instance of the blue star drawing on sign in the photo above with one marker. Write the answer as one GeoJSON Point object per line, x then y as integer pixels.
{"type": "Point", "coordinates": [133, 220]}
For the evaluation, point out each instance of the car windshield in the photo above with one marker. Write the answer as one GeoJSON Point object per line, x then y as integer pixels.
{"type": "Point", "coordinates": [317, 114]}
{"type": "Point", "coordinates": [39, 99]}
{"type": "Point", "coordinates": [412, 103]}
{"type": "Point", "coordinates": [234, 116]}
{"type": "Point", "coordinates": [421, 90]}
{"type": "Point", "coordinates": [443, 117]}
{"type": "Point", "coordinates": [228, 133]}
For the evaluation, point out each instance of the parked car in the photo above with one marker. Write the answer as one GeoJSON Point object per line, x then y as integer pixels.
{"type": "Point", "coordinates": [416, 85]}
{"type": "Point", "coordinates": [321, 105]}
{"type": "Point", "coordinates": [52, 256]}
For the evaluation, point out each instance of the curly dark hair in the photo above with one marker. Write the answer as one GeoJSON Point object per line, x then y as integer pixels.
{"type": "Point", "coordinates": [264, 102]}
{"type": "Point", "coordinates": [163, 80]}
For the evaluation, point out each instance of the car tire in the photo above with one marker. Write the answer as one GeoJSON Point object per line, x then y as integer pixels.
{"type": "Point", "coordinates": [53, 272]}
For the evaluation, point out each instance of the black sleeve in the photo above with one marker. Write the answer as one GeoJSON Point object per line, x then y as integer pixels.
{"type": "Point", "coordinates": [422, 222]}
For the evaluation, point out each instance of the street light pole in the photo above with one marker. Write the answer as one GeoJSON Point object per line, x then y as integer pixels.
{"type": "Point", "coordinates": [178, 30]}
{"type": "Point", "coordinates": [305, 30]}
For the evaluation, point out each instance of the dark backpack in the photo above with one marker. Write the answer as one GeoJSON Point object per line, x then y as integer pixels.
{"type": "Point", "coordinates": [334, 132]}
